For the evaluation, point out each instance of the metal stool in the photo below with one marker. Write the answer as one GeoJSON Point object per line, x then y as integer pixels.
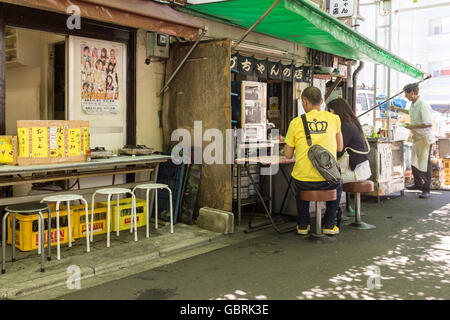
{"type": "Point", "coordinates": [357, 188]}
{"type": "Point", "coordinates": [318, 196]}
{"type": "Point", "coordinates": [110, 192]}
{"type": "Point", "coordinates": [156, 186]}
{"type": "Point", "coordinates": [24, 209]}
{"type": "Point", "coordinates": [58, 199]}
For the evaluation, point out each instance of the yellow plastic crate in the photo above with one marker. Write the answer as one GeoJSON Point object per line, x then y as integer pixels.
{"type": "Point", "coordinates": [446, 163]}
{"type": "Point", "coordinates": [125, 213]}
{"type": "Point", "coordinates": [79, 214]}
{"type": "Point", "coordinates": [27, 235]}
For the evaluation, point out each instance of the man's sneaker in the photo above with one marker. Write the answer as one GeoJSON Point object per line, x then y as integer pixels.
{"type": "Point", "coordinates": [412, 187]}
{"type": "Point", "coordinates": [425, 195]}
{"type": "Point", "coordinates": [335, 230]}
{"type": "Point", "coordinates": [303, 232]}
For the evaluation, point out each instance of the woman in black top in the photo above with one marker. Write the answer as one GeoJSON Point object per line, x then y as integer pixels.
{"type": "Point", "coordinates": [358, 167]}
{"type": "Point", "coordinates": [354, 142]}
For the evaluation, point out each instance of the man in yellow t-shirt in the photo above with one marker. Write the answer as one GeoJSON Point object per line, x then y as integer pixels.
{"type": "Point", "coordinates": [325, 130]}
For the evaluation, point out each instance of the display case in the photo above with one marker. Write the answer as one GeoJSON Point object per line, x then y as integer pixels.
{"type": "Point", "coordinates": [388, 167]}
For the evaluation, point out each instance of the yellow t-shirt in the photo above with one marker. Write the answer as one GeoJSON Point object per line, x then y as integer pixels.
{"type": "Point", "coordinates": [323, 126]}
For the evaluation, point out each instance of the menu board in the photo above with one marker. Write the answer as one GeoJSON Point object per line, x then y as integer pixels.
{"type": "Point", "coordinates": [8, 150]}
{"type": "Point", "coordinates": [43, 141]}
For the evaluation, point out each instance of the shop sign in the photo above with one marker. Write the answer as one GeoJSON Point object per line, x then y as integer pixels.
{"type": "Point", "coordinates": [266, 69]}
{"type": "Point", "coordinates": [342, 8]}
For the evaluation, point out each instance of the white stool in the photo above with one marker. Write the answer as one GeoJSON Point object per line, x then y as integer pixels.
{"type": "Point", "coordinates": [156, 186]}
{"type": "Point", "coordinates": [110, 192]}
{"type": "Point", "coordinates": [64, 198]}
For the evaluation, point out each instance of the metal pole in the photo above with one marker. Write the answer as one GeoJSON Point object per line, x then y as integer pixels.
{"type": "Point", "coordinates": [256, 23]}
{"type": "Point", "coordinates": [375, 71]}
{"type": "Point", "coordinates": [389, 124]}
{"type": "Point", "coordinates": [388, 99]}
{"type": "Point", "coordinates": [166, 86]}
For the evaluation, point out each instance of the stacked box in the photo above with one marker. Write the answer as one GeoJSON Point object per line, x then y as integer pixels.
{"type": "Point", "coordinates": [247, 188]}
{"type": "Point", "coordinates": [27, 235]}
{"type": "Point", "coordinates": [125, 213]}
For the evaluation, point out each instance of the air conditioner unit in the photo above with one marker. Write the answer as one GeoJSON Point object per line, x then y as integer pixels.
{"type": "Point", "coordinates": [157, 45]}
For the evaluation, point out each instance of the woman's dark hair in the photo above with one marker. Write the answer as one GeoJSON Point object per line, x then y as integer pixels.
{"type": "Point", "coordinates": [344, 111]}
{"type": "Point", "coordinates": [109, 67]}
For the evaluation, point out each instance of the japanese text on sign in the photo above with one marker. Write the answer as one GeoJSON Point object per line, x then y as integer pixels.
{"type": "Point", "coordinates": [24, 142]}
{"type": "Point", "coordinates": [341, 8]}
{"type": "Point", "coordinates": [40, 142]}
{"type": "Point", "coordinates": [74, 142]}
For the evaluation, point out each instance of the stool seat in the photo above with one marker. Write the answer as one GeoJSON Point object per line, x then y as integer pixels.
{"type": "Point", "coordinates": [63, 198]}
{"type": "Point", "coordinates": [24, 209]}
{"type": "Point", "coordinates": [319, 195]}
{"type": "Point", "coordinates": [109, 191]}
{"type": "Point", "coordinates": [27, 208]}
{"type": "Point", "coordinates": [151, 186]}
{"type": "Point", "coordinates": [358, 187]}
{"type": "Point", "coordinates": [155, 186]}
{"type": "Point", "coordinates": [58, 199]}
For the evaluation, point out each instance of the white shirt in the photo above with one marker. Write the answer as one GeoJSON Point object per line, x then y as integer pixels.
{"type": "Point", "coordinates": [420, 114]}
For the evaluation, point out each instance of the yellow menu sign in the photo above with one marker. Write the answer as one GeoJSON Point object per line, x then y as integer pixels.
{"type": "Point", "coordinates": [7, 149]}
{"type": "Point", "coordinates": [74, 142]}
{"type": "Point", "coordinates": [39, 142]}
{"type": "Point", "coordinates": [24, 142]}
{"type": "Point", "coordinates": [86, 139]}
{"type": "Point", "coordinates": [57, 149]}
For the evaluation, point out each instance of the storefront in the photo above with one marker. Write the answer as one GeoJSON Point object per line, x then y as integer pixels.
{"type": "Point", "coordinates": [86, 60]}
{"type": "Point", "coordinates": [205, 91]}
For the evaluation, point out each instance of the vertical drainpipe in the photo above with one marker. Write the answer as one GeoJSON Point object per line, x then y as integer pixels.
{"type": "Point", "coordinates": [360, 67]}
{"type": "Point", "coordinates": [355, 79]}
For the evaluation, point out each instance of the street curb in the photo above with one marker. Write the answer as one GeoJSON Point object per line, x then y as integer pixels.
{"type": "Point", "coordinates": [60, 278]}
{"type": "Point", "coordinates": [175, 249]}
{"type": "Point", "coordinates": [44, 283]}
{"type": "Point", "coordinates": [114, 266]}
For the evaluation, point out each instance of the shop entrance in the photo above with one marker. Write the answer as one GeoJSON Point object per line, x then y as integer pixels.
{"type": "Point", "coordinates": [58, 110]}
{"type": "Point", "coordinates": [35, 76]}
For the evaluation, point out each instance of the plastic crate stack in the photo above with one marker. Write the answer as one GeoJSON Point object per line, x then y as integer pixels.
{"type": "Point", "coordinates": [247, 188]}
{"type": "Point", "coordinates": [27, 226]}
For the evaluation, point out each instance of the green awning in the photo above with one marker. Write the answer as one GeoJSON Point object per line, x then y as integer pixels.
{"type": "Point", "coordinates": [303, 22]}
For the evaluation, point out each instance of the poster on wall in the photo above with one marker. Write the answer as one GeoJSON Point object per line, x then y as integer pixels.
{"type": "Point", "coordinates": [254, 110]}
{"type": "Point", "coordinates": [100, 77]}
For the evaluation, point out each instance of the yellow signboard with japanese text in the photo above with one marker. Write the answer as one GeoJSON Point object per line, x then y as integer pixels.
{"type": "Point", "coordinates": [8, 150]}
{"type": "Point", "coordinates": [42, 141]}
{"type": "Point", "coordinates": [39, 142]}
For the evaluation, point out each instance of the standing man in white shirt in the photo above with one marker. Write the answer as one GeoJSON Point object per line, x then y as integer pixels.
{"type": "Point", "coordinates": [422, 128]}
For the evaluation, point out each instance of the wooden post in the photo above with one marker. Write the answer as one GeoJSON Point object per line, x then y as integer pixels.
{"type": "Point", "coordinates": [2, 72]}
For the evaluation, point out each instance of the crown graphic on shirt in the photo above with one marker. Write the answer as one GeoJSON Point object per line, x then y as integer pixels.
{"type": "Point", "coordinates": [318, 126]}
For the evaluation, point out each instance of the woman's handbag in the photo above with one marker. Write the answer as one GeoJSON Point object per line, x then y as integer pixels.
{"type": "Point", "coordinates": [344, 160]}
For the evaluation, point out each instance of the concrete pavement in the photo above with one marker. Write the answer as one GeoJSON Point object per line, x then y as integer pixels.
{"type": "Point", "coordinates": [23, 277]}
{"type": "Point", "coordinates": [407, 255]}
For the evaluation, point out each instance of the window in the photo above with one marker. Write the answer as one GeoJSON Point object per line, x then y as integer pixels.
{"type": "Point", "coordinates": [361, 100]}
{"type": "Point", "coordinates": [370, 96]}
{"type": "Point", "coordinates": [440, 25]}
